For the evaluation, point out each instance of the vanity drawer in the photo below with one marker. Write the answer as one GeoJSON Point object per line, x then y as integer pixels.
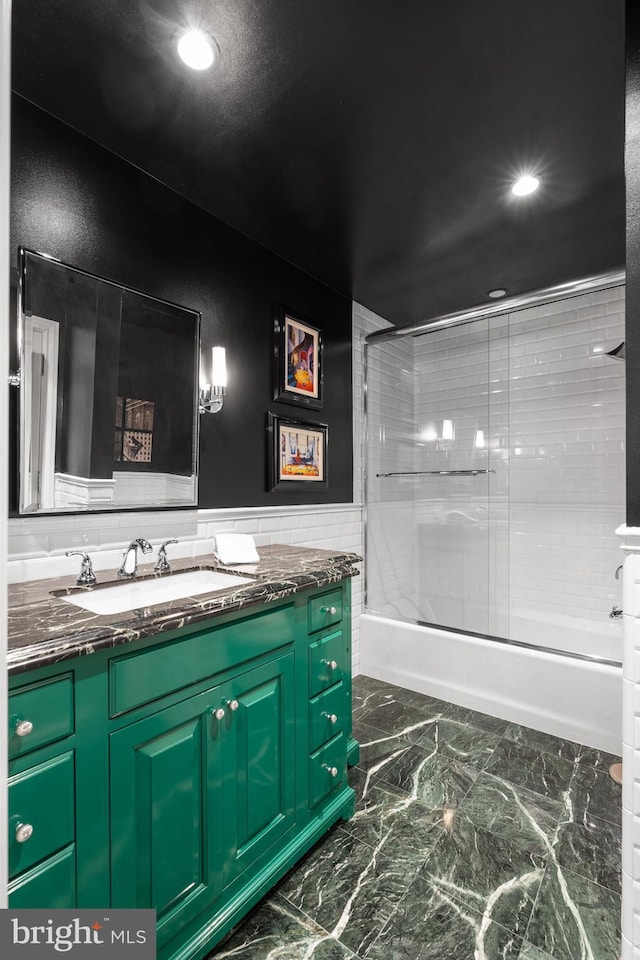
{"type": "Point", "coordinates": [323, 654]}
{"type": "Point", "coordinates": [327, 769]}
{"type": "Point", "coordinates": [49, 885]}
{"type": "Point", "coordinates": [151, 674]}
{"type": "Point", "coordinates": [325, 610]}
{"type": "Point", "coordinates": [331, 703]}
{"type": "Point", "coordinates": [41, 797]}
{"type": "Point", "coordinates": [48, 707]}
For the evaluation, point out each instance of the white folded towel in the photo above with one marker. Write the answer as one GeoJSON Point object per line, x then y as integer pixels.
{"type": "Point", "coordinates": [235, 548]}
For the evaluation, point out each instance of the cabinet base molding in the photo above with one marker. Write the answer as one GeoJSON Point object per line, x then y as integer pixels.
{"type": "Point", "coordinates": [353, 752]}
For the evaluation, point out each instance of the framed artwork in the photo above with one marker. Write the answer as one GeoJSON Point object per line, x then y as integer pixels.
{"type": "Point", "coordinates": [297, 360]}
{"type": "Point", "coordinates": [298, 453]}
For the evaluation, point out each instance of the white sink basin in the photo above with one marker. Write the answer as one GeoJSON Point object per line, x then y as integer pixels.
{"type": "Point", "coordinates": [132, 594]}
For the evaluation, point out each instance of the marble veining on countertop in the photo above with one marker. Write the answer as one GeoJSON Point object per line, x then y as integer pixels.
{"type": "Point", "coordinates": [45, 629]}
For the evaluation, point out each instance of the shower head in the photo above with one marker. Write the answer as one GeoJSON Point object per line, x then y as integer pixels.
{"type": "Point", "coordinates": [618, 352]}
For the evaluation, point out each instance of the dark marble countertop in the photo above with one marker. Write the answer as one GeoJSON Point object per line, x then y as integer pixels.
{"type": "Point", "coordinates": [45, 628]}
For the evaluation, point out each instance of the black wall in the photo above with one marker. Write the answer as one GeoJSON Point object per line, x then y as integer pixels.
{"type": "Point", "coordinates": [632, 332]}
{"type": "Point", "coordinates": [161, 337]}
{"type": "Point", "coordinates": [80, 203]}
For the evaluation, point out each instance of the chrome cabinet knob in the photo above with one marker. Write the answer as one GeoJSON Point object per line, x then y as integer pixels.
{"type": "Point", "coordinates": [332, 771]}
{"type": "Point", "coordinates": [331, 610]}
{"type": "Point", "coordinates": [23, 832]}
{"type": "Point", "coordinates": [331, 717]}
{"type": "Point", "coordinates": [219, 713]}
{"type": "Point", "coordinates": [233, 705]}
{"type": "Point", "coordinates": [333, 664]}
{"type": "Point", "coordinates": [23, 728]}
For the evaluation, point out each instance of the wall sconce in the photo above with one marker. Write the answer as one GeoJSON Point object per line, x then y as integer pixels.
{"type": "Point", "coordinates": [212, 393]}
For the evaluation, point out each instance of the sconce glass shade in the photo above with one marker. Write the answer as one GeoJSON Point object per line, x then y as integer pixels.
{"type": "Point", "coordinates": [213, 388]}
{"type": "Point", "coordinates": [218, 367]}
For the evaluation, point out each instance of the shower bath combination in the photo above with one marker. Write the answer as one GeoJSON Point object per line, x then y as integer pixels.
{"type": "Point", "coordinates": [494, 486]}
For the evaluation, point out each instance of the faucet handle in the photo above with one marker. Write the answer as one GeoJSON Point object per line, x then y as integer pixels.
{"type": "Point", "coordinates": [87, 576]}
{"type": "Point", "coordinates": [162, 564]}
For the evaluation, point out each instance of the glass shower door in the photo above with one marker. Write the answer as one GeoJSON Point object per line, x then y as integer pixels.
{"type": "Point", "coordinates": [495, 475]}
{"type": "Point", "coordinates": [437, 534]}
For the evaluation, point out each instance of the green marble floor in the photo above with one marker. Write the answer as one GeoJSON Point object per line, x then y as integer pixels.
{"type": "Point", "coordinates": [473, 839]}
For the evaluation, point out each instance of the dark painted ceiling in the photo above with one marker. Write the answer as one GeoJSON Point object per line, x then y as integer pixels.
{"type": "Point", "coordinates": [370, 142]}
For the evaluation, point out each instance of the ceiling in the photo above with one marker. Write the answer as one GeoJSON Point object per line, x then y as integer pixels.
{"type": "Point", "coordinates": [370, 142]}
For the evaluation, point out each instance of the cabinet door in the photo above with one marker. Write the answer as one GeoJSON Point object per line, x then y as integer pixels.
{"type": "Point", "coordinates": [259, 786]}
{"type": "Point", "coordinates": [166, 812]}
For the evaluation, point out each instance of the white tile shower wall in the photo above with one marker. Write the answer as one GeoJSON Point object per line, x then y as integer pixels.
{"type": "Point", "coordinates": [534, 398]}
{"type": "Point", "coordinates": [462, 409]}
{"type": "Point", "coordinates": [391, 557]}
{"type": "Point", "coordinates": [364, 322]}
{"type": "Point", "coordinates": [391, 547]}
{"type": "Point", "coordinates": [566, 467]}
{"type": "Point", "coordinates": [459, 548]}
{"type": "Point", "coordinates": [567, 402]}
{"type": "Point", "coordinates": [631, 746]}
{"type": "Point", "coordinates": [390, 418]}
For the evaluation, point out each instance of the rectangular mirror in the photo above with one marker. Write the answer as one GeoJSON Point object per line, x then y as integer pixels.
{"type": "Point", "coordinates": [108, 393]}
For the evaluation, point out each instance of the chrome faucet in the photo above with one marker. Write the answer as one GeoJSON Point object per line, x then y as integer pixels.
{"type": "Point", "coordinates": [129, 565]}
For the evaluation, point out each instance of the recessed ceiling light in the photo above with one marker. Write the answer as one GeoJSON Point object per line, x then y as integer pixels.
{"type": "Point", "coordinates": [525, 185]}
{"type": "Point", "coordinates": [197, 50]}
{"type": "Point", "coordinates": [497, 293]}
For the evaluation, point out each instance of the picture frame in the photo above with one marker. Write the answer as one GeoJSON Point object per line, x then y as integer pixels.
{"type": "Point", "coordinates": [298, 360]}
{"type": "Point", "coordinates": [297, 453]}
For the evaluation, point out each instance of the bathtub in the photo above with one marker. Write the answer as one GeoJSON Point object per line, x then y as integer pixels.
{"type": "Point", "coordinates": [600, 637]}
{"type": "Point", "coordinates": [576, 699]}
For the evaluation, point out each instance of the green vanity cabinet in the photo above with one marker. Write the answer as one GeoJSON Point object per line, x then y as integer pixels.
{"type": "Point", "coordinates": [199, 791]}
{"type": "Point", "coordinates": [186, 772]}
{"type": "Point", "coordinates": [166, 813]}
